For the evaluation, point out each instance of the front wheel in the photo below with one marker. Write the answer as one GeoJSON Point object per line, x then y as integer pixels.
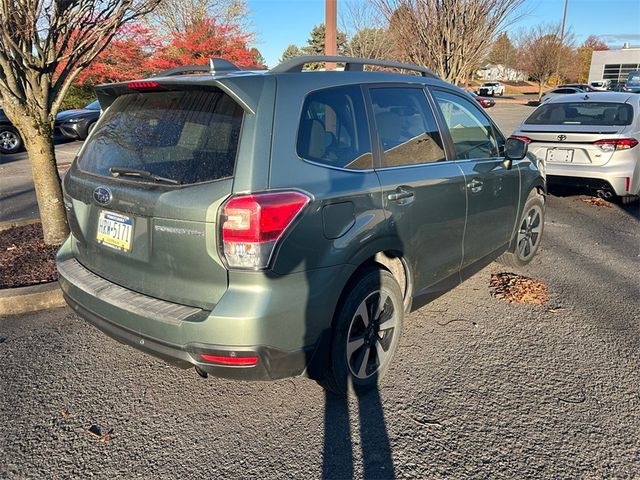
{"type": "Point", "coordinates": [528, 234]}
{"type": "Point", "coordinates": [367, 329]}
{"type": "Point", "coordinates": [10, 141]}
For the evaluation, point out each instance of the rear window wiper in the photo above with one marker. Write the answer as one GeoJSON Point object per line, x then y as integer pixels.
{"type": "Point", "coordinates": [134, 172]}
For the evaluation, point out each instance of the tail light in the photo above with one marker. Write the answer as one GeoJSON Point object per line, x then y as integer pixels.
{"type": "Point", "coordinates": [230, 360]}
{"type": "Point", "coordinates": [251, 226]}
{"type": "Point", "coordinates": [520, 137]}
{"type": "Point", "coordinates": [613, 144]}
{"type": "Point", "coordinates": [143, 85]}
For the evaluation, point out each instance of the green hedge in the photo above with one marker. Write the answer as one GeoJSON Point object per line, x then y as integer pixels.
{"type": "Point", "coordinates": [78, 97]}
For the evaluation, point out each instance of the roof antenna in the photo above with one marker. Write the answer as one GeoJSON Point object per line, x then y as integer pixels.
{"type": "Point", "coordinates": [212, 66]}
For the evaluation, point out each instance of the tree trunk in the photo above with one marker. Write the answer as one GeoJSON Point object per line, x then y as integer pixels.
{"type": "Point", "coordinates": [540, 87]}
{"type": "Point", "coordinates": [39, 146]}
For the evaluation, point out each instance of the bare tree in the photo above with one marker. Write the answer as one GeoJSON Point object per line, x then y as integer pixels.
{"type": "Point", "coordinates": [366, 30]}
{"type": "Point", "coordinates": [173, 16]}
{"type": "Point", "coordinates": [539, 49]}
{"type": "Point", "coordinates": [44, 44]}
{"type": "Point", "coordinates": [451, 37]}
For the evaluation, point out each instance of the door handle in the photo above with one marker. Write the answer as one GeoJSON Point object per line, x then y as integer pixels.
{"type": "Point", "coordinates": [475, 185]}
{"type": "Point", "coordinates": [400, 195]}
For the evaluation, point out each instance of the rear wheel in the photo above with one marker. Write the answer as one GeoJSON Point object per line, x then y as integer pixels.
{"type": "Point", "coordinates": [367, 329]}
{"type": "Point", "coordinates": [10, 141]}
{"type": "Point", "coordinates": [528, 234]}
{"type": "Point", "coordinates": [629, 199]}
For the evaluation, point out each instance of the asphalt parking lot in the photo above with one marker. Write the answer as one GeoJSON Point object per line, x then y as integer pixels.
{"type": "Point", "coordinates": [481, 388]}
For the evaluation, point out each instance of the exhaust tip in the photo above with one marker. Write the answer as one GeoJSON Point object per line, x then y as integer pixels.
{"type": "Point", "coordinates": [201, 372]}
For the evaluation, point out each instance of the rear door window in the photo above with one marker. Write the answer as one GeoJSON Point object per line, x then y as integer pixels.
{"type": "Point", "coordinates": [333, 129]}
{"type": "Point", "coordinates": [406, 127]}
{"type": "Point", "coordinates": [186, 136]}
{"type": "Point", "coordinates": [582, 113]}
{"type": "Point", "coordinates": [471, 131]}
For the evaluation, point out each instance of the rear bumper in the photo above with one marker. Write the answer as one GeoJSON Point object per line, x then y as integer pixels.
{"type": "Point", "coordinates": [274, 319]}
{"type": "Point", "coordinates": [272, 363]}
{"type": "Point", "coordinates": [615, 172]}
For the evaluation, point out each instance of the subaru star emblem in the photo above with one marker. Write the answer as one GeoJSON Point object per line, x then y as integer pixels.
{"type": "Point", "coordinates": [102, 195]}
{"type": "Point", "coordinates": [562, 138]}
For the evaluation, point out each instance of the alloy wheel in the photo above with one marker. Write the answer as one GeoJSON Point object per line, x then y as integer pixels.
{"type": "Point", "coordinates": [370, 335]}
{"type": "Point", "coordinates": [529, 233]}
{"type": "Point", "coordinates": [9, 141]}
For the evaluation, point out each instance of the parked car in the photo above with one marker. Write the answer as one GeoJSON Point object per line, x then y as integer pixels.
{"type": "Point", "coordinates": [556, 92]}
{"type": "Point", "coordinates": [491, 89]}
{"type": "Point", "coordinates": [633, 82]}
{"type": "Point", "coordinates": [601, 85]}
{"type": "Point", "coordinates": [77, 124]}
{"type": "Point", "coordinates": [588, 141]}
{"type": "Point", "coordinates": [10, 140]}
{"type": "Point", "coordinates": [264, 225]}
{"type": "Point", "coordinates": [484, 101]}
{"type": "Point", "coordinates": [585, 87]}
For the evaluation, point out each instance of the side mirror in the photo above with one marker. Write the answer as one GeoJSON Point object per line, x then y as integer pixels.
{"type": "Point", "coordinates": [515, 149]}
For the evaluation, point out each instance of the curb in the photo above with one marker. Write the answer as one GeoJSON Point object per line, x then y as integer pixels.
{"type": "Point", "coordinates": [18, 223]}
{"type": "Point", "coordinates": [15, 301]}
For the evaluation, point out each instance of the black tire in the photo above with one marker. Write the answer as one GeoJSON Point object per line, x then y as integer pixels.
{"type": "Point", "coordinates": [10, 140]}
{"type": "Point", "coordinates": [528, 234]}
{"type": "Point", "coordinates": [365, 338]}
{"type": "Point", "coordinates": [501, 93]}
{"type": "Point", "coordinates": [89, 129]}
{"type": "Point", "coordinates": [629, 199]}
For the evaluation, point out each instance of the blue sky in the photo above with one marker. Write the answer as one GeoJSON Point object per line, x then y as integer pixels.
{"type": "Point", "coordinates": [281, 22]}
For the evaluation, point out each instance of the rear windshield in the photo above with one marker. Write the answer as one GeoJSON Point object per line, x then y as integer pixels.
{"type": "Point", "coordinates": [581, 113]}
{"type": "Point", "coordinates": [184, 136]}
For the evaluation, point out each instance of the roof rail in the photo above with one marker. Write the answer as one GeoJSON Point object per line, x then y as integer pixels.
{"type": "Point", "coordinates": [350, 64]}
{"type": "Point", "coordinates": [215, 65]}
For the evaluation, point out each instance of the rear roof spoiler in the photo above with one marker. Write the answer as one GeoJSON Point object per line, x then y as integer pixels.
{"type": "Point", "coordinates": [216, 65]}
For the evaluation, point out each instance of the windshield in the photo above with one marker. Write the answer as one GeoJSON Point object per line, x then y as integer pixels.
{"type": "Point", "coordinates": [188, 136]}
{"type": "Point", "coordinates": [581, 113]}
{"type": "Point", "coordinates": [633, 80]}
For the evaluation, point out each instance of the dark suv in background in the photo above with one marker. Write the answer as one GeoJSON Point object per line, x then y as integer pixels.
{"type": "Point", "coordinates": [258, 225]}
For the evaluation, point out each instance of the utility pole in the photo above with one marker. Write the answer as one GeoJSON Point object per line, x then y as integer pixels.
{"type": "Point", "coordinates": [564, 21]}
{"type": "Point", "coordinates": [330, 30]}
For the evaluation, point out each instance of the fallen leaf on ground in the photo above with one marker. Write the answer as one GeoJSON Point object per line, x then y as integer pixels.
{"type": "Point", "coordinates": [95, 431]}
{"type": "Point", "coordinates": [598, 202]}
{"type": "Point", "coordinates": [514, 288]}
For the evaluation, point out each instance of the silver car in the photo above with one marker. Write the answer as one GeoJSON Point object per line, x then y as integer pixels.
{"type": "Point", "coordinates": [588, 140]}
{"type": "Point", "coordinates": [560, 92]}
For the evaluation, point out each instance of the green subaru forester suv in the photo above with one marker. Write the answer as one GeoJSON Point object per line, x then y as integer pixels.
{"type": "Point", "coordinates": [259, 225]}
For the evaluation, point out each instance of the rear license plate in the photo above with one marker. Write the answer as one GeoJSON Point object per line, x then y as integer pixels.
{"type": "Point", "coordinates": [559, 155]}
{"type": "Point", "coordinates": [114, 230]}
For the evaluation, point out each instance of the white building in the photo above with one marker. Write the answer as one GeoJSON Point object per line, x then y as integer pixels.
{"type": "Point", "coordinates": [491, 73]}
{"type": "Point", "coordinates": [614, 65]}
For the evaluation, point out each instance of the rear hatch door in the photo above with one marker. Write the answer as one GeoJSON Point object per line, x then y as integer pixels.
{"type": "Point", "coordinates": [144, 193]}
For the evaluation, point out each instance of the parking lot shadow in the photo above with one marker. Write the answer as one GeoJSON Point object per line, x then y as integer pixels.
{"type": "Point", "coordinates": [631, 209]}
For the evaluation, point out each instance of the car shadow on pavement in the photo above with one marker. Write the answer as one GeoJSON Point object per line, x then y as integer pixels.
{"type": "Point", "coordinates": [631, 209]}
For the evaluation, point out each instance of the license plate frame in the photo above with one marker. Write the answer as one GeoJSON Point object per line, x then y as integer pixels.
{"type": "Point", "coordinates": [560, 155]}
{"type": "Point", "coordinates": [115, 231]}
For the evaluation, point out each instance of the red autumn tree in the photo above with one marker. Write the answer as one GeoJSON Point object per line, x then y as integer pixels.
{"type": "Point", "coordinates": [127, 57]}
{"type": "Point", "coordinates": [204, 39]}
